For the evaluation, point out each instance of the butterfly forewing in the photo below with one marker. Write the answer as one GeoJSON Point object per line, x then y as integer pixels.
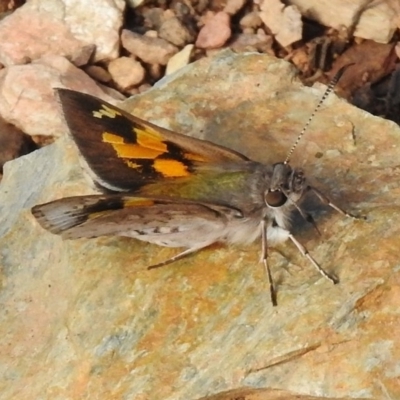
{"type": "Point", "coordinates": [126, 152]}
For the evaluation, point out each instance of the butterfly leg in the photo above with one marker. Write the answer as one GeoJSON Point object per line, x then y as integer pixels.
{"type": "Point", "coordinates": [306, 254]}
{"type": "Point", "coordinates": [307, 217]}
{"type": "Point", "coordinates": [264, 259]}
{"type": "Point", "coordinates": [177, 257]}
{"type": "Point", "coordinates": [325, 200]}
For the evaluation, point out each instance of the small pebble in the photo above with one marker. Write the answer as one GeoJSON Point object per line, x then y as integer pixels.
{"type": "Point", "coordinates": [215, 32]}
{"type": "Point", "coordinates": [175, 32]}
{"type": "Point", "coordinates": [251, 20]}
{"type": "Point", "coordinates": [232, 7]}
{"type": "Point", "coordinates": [126, 72]}
{"type": "Point", "coordinates": [150, 50]}
{"type": "Point", "coordinates": [179, 60]}
{"type": "Point", "coordinates": [98, 73]}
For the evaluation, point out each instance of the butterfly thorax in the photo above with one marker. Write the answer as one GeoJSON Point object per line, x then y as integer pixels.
{"type": "Point", "coordinates": [276, 189]}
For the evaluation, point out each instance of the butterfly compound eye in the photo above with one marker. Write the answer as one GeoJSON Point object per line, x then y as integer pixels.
{"type": "Point", "coordinates": [275, 198]}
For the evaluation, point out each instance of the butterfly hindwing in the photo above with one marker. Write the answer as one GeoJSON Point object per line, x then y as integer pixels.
{"type": "Point", "coordinates": [150, 219]}
{"type": "Point", "coordinates": [125, 152]}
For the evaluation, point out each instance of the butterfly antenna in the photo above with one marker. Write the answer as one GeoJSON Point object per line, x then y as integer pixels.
{"type": "Point", "coordinates": [328, 90]}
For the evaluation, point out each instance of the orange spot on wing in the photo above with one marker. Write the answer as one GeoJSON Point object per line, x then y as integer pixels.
{"type": "Point", "coordinates": [171, 168]}
{"type": "Point", "coordinates": [151, 139]}
{"type": "Point", "coordinates": [112, 138]}
{"type": "Point", "coordinates": [135, 151]}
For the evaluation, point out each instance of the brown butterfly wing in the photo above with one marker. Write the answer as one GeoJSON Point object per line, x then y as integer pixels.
{"type": "Point", "coordinates": [173, 223]}
{"type": "Point", "coordinates": [125, 152]}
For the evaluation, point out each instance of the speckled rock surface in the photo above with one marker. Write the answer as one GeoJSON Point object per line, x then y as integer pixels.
{"type": "Point", "coordinates": [48, 27]}
{"type": "Point", "coordinates": [86, 320]}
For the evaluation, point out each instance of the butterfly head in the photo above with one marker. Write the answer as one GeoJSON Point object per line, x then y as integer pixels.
{"type": "Point", "coordinates": [286, 184]}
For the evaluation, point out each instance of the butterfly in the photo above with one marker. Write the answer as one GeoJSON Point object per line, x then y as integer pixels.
{"type": "Point", "coordinates": [173, 190]}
